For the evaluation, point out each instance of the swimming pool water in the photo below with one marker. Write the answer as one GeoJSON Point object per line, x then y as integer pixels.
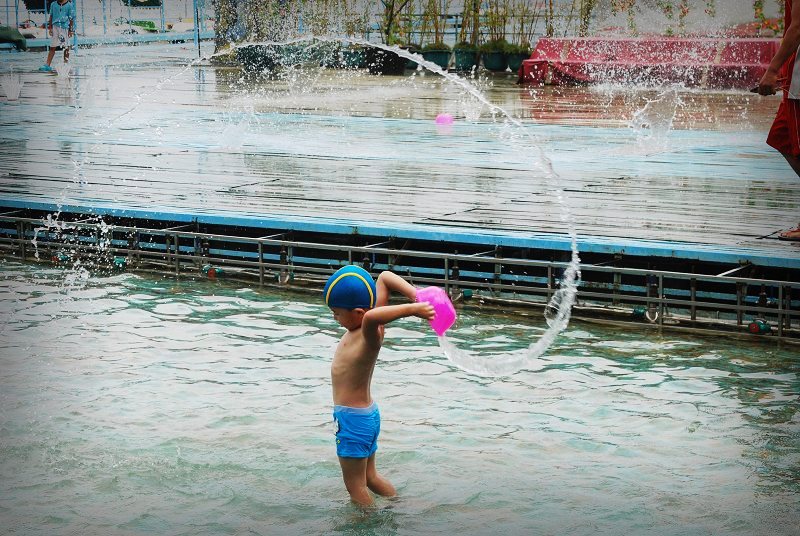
{"type": "Point", "coordinates": [132, 404]}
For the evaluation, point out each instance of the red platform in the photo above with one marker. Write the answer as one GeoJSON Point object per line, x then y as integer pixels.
{"type": "Point", "coordinates": [695, 62]}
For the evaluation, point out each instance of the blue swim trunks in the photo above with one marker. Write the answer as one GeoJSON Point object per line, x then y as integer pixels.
{"type": "Point", "coordinates": [356, 430]}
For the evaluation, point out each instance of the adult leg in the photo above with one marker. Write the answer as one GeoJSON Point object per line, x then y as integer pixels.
{"type": "Point", "coordinates": [376, 482]}
{"type": "Point", "coordinates": [354, 473]}
{"type": "Point", "coordinates": [794, 162]}
{"type": "Point", "coordinates": [50, 55]}
{"type": "Point", "coordinates": [792, 234]}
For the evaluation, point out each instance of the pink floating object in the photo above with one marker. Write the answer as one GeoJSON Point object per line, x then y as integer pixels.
{"type": "Point", "coordinates": [445, 312]}
{"type": "Point", "coordinates": [444, 119]}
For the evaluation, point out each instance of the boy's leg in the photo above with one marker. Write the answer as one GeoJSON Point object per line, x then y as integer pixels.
{"type": "Point", "coordinates": [66, 55]}
{"type": "Point", "coordinates": [50, 55]}
{"type": "Point", "coordinates": [376, 482]}
{"type": "Point", "coordinates": [354, 473]}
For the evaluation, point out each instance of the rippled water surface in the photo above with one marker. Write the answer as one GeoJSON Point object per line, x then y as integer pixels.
{"type": "Point", "coordinates": [133, 405]}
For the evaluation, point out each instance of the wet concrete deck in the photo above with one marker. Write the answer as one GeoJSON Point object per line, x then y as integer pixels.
{"type": "Point", "coordinates": [136, 127]}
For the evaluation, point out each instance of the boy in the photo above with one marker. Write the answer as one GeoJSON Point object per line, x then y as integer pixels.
{"type": "Point", "coordinates": [360, 306]}
{"type": "Point", "coordinates": [61, 26]}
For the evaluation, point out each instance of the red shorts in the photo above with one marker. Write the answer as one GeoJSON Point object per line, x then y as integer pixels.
{"type": "Point", "coordinates": [785, 132]}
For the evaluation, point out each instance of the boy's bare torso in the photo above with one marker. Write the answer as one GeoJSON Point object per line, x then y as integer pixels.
{"type": "Point", "coordinates": [352, 368]}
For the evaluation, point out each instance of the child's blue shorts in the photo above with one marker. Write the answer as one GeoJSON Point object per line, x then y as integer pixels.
{"type": "Point", "coordinates": [356, 430]}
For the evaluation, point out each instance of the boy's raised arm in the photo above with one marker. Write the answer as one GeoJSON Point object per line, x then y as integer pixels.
{"type": "Point", "coordinates": [374, 318]}
{"type": "Point", "coordinates": [389, 282]}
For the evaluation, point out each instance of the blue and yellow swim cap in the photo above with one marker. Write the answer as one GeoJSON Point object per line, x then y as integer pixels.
{"type": "Point", "coordinates": [351, 287]}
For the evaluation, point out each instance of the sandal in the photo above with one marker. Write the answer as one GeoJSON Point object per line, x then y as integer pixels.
{"type": "Point", "coordinates": [793, 234]}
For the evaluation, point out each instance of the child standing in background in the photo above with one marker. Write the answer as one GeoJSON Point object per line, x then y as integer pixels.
{"type": "Point", "coordinates": [61, 27]}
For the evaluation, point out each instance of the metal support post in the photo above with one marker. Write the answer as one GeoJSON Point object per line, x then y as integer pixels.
{"type": "Point", "coordinates": [21, 238]}
{"type": "Point", "coordinates": [130, 26]}
{"type": "Point", "coordinates": [196, 28]}
{"type": "Point", "coordinates": [260, 264]}
{"type": "Point", "coordinates": [498, 269]}
{"type": "Point", "coordinates": [177, 255]}
{"type": "Point", "coordinates": [693, 297]}
{"type": "Point", "coordinates": [739, 313]}
{"type": "Point", "coordinates": [788, 307]}
{"type": "Point", "coordinates": [447, 275]}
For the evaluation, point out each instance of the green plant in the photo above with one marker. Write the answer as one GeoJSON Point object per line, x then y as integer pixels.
{"type": "Point", "coordinates": [626, 6]}
{"type": "Point", "coordinates": [765, 23]}
{"type": "Point", "coordinates": [430, 47]}
{"type": "Point", "coordinates": [318, 16]}
{"type": "Point", "coordinates": [432, 26]}
{"type": "Point", "coordinates": [496, 45]}
{"type": "Point", "coordinates": [470, 23]}
{"type": "Point", "coordinates": [465, 45]}
{"type": "Point", "coordinates": [355, 18]}
{"type": "Point", "coordinates": [390, 19]}
{"type": "Point", "coordinates": [587, 6]}
{"type": "Point", "coordinates": [524, 20]}
{"type": "Point", "coordinates": [495, 18]}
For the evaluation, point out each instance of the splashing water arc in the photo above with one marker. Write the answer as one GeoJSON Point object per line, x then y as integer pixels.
{"type": "Point", "coordinates": [525, 147]}
{"type": "Point", "coordinates": [560, 304]}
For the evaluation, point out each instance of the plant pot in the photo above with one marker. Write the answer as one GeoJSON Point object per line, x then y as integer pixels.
{"type": "Point", "coordinates": [495, 61]}
{"type": "Point", "coordinates": [381, 61]}
{"type": "Point", "coordinates": [515, 60]}
{"type": "Point", "coordinates": [290, 54]}
{"type": "Point", "coordinates": [256, 58]}
{"type": "Point", "coordinates": [439, 57]}
{"type": "Point", "coordinates": [330, 55]}
{"type": "Point", "coordinates": [465, 59]}
{"type": "Point", "coordinates": [353, 58]}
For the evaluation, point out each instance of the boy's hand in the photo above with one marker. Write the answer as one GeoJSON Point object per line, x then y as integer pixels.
{"type": "Point", "coordinates": [424, 310]}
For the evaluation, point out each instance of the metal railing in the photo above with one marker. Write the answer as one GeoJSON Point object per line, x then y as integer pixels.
{"type": "Point", "coordinates": [721, 302]}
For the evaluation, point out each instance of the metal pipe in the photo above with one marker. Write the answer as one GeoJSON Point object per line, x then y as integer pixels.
{"type": "Point", "coordinates": [260, 264]}
{"type": "Point", "coordinates": [196, 28]}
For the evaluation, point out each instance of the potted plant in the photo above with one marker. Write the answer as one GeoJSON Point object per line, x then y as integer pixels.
{"type": "Point", "coordinates": [466, 49]}
{"type": "Point", "coordinates": [438, 53]}
{"type": "Point", "coordinates": [353, 56]}
{"type": "Point", "coordinates": [465, 56]}
{"type": "Point", "coordinates": [432, 28]}
{"type": "Point", "coordinates": [493, 51]}
{"type": "Point", "coordinates": [380, 61]}
{"type": "Point", "coordinates": [409, 32]}
{"type": "Point", "coordinates": [523, 25]}
{"type": "Point", "coordinates": [494, 55]}
{"type": "Point", "coordinates": [516, 54]}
